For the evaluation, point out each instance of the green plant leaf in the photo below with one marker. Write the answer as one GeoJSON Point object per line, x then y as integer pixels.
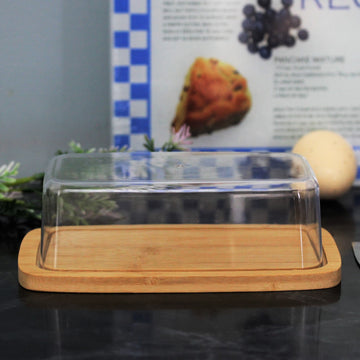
{"type": "Point", "coordinates": [149, 144]}
{"type": "Point", "coordinates": [3, 188]}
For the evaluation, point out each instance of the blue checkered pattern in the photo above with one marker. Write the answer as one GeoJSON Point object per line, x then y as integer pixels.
{"type": "Point", "coordinates": [230, 173]}
{"type": "Point", "coordinates": [178, 204]}
{"type": "Point", "coordinates": [131, 72]}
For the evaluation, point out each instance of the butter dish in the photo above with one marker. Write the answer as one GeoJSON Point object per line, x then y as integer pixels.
{"type": "Point", "coordinates": [179, 222]}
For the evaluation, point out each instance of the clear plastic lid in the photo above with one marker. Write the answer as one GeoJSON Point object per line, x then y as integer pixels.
{"type": "Point", "coordinates": [180, 211]}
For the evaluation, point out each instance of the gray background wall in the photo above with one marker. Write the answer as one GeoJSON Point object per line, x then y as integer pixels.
{"type": "Point", "coordinates": [54, 78]}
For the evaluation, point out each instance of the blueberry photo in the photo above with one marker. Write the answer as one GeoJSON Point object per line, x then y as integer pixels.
{"type": "Point", "coordinates": [265, 28]}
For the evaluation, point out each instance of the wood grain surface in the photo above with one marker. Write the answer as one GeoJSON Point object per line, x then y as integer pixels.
{"type": "Point", "coordinates": [178, 258]}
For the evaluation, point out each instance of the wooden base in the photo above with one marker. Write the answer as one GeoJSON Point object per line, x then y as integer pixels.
{"type": "Point", "coordinates": [178, 258]}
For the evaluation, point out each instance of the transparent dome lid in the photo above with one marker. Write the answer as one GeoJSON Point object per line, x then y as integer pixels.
{"type": "Point", "coordinates": [180, 211]}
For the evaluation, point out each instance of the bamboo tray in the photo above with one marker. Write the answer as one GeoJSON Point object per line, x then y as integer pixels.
{"type": "Point", "coordinates": [219, 258]}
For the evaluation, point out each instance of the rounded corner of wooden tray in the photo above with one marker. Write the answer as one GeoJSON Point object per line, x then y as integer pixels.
{"type": "Point", "coordinates": [32, 277]}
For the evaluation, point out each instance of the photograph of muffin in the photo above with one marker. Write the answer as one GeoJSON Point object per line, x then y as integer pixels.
{"type": "Point", "coordinates": [214, 96]}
